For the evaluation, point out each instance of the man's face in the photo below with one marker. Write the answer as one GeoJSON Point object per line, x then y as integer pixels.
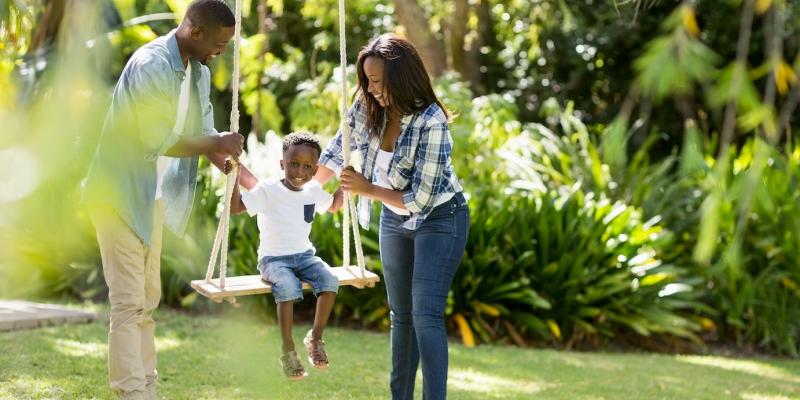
{"type": "Point", "coordinates": [210, 42]}
{"type": "Point", "coordinates": [299, 165]}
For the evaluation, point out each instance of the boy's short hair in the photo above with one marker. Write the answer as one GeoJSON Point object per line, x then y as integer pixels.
{"type": "Point", "coordinates": [302, 138]}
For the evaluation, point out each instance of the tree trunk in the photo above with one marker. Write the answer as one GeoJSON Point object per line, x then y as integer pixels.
{"type": "Point", "coordinates": [458, 31]}
{"type": "Point", "coordinates": [484, 36]}
{"type": "Point", "coordinates": [48, 26]}
{"type": "Point", "coordinates": [262, 29]}
{"type": "Point", "coordinates": [411, 16]}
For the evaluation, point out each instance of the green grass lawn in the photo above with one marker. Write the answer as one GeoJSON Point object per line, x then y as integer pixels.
{"type": "Point", "coordinates": [236, 357]}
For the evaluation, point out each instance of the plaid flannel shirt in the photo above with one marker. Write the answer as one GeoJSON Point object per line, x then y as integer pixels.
{"type": "Point", "coordinates": [420, 166]}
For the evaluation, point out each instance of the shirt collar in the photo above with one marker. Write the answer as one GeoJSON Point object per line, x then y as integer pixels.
{"type": "Point", "coordinates": [174, 53]}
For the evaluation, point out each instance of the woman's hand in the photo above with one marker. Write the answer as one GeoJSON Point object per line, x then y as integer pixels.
{"type": "Point", "coordinates": [353, 182]}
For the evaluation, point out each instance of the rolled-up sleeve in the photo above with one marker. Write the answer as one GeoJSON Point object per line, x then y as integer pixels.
{"type": "Point", "coordinates": [433, 155]}
{"type": "Point", "coordinates": [332, 157]}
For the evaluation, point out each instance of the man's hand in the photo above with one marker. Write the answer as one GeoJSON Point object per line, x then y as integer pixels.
{"type": "Point", "coordinates": [230, 144]}
{"type": "Point", "coordinates": [228, 167]}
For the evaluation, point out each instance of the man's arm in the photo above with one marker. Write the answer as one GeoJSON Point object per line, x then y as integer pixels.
{"type": "Point", "coordinates": [227, 143]}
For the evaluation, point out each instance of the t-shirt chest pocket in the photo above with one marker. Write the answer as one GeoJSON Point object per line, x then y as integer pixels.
{"type": "Point", "coordinates": [308, 212]}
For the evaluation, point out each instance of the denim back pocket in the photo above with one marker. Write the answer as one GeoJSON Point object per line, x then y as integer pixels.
{"type": "Point", "coordinates": [308, 213]}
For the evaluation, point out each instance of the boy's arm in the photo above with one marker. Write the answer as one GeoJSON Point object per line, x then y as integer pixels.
{"type": "Point", "coordinates": [246, 178]}
{"type": "Point", "coordinates": [237, 205]}
{"type": "Point", "coordinates": [337, 201]}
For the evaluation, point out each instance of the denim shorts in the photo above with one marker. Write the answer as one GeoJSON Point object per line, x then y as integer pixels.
{"type": "Point", "coordinates": [286, 274]}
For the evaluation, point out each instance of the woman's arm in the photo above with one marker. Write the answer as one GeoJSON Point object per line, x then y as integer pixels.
{"type": "Point", "coordinates": [432, 158]}
{"type": "Point", "coordinates": [332, 158]}
{"type": "Point", "coordinates": [354, 182]}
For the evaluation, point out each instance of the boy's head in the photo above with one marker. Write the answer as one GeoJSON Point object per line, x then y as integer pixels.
{"type": "Point", "coordinates": [301, 151]}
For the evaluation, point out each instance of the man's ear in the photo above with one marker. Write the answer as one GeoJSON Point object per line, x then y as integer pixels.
{"type": "Point", "coordinates": [196, 32]}
{"type": "Point", "coordinates": [281, 165]}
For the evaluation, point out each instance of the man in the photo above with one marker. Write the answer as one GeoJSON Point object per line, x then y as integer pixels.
{"type": "Point", "coordinates": [143, 175]}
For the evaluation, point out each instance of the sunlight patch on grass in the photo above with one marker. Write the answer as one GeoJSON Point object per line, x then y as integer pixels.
{"type": "Point", "coordinates": [750, 367]}
{"type": "Point", "coordinates": [472, 381]}
{"type": "Point", "coordinates": [580, 361]}
{"type": "Point", "coordinates": [757, 396]}
{"type": "Point", "coordinates": [74, 348]}
{"type": "Point", "coordinates": [167, 343]}
{"type": "Point", "coordinates": [29, 387]}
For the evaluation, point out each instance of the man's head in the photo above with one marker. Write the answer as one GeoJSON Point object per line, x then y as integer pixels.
{"type": "Point", "coordinates": [301, 151]}
{"type": "Point", "coordinates": [207, 28]}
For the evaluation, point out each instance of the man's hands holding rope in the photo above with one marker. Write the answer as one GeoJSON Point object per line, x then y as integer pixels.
{"type": "Point", "coordinates": [231, 144]}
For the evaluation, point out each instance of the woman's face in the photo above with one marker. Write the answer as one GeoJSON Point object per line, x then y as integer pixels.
{"type": "Point", "coordinates": [373, 68]}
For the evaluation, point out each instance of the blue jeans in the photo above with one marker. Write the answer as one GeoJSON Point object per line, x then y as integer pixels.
{"type": "Point", "coordinates": [418, 269]}
{"type": "Point", "coordinates": [286, 274]}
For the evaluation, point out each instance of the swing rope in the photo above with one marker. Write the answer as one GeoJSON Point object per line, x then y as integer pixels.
{"type": "Point", "coordinates": [349, 202]}
{"type": "Point", "coordinates": [350, 217]}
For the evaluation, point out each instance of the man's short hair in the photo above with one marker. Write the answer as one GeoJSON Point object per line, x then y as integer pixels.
{"type": "Point", "coordinates": [302, 138]}
{"type": "Point", "coordinates": [210, 14]}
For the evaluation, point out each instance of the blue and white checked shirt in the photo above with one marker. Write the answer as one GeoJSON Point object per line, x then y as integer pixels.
{"type": "Point", "coordinates": [420, 166]}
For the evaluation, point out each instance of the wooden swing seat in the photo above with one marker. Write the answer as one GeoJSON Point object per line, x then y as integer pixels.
{"type": "Point", "coordinates": [253, 284]}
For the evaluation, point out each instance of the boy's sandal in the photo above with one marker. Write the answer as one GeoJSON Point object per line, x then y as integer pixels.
{"type": "Point", "coordinates": [292, 367]}
{"type": "Point", "coordinates": [316, 351]}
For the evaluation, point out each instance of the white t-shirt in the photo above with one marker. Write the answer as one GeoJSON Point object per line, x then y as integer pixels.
{"type": "Point", "coordinates": [285, 216]}
{"type": "Point", "coordinates": [163, 162]}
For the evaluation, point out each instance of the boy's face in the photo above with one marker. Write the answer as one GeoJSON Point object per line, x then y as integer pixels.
{"type": "Point", "coordinates": [299, 165]}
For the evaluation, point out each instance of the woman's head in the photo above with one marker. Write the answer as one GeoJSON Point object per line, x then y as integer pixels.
{"type": "Point", "coordinates": [391, 76]}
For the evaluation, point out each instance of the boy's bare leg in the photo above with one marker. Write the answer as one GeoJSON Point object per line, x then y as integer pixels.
{"type": "Point", "coordinates": [325, 302]}
{"type": "Point", "coordinates": [285, 314]}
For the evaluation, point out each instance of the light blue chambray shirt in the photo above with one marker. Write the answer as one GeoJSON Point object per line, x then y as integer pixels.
{"type": "Point", "coordinates": [139, 128]}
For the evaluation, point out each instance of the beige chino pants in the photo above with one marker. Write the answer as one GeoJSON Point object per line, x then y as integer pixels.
{"type": "Point", "coordinates": [133, 274]}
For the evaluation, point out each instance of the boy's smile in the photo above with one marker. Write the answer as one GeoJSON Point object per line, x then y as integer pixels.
{"type": "Point", "coordinates": [299, 165]}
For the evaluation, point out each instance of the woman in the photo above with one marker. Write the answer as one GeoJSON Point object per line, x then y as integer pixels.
{"type": "Point", "coordinates": [400, 128]}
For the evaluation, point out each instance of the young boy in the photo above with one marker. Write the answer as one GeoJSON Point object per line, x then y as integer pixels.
{"type": "Point", "coordinates": [285, 210]}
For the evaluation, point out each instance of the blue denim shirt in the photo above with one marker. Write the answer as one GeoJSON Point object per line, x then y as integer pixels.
{"type": "Point", "coordinates": [139, 128]}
